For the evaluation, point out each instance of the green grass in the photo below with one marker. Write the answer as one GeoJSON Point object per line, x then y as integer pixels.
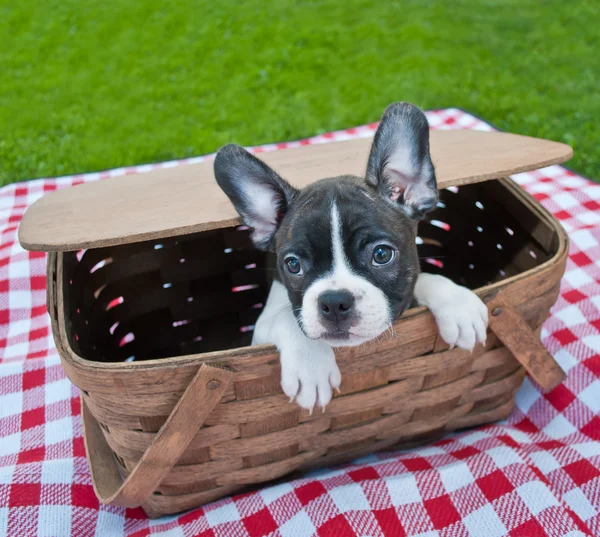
{"type": "Point", "coordinates": [89, 85]}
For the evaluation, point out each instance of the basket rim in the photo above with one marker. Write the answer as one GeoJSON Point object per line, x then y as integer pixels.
{"type": "Point", "coordinates": [215, 357]}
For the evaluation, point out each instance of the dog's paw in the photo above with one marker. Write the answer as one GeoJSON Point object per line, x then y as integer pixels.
{"type": "Point", "coordinates": [308, 375]}
{"type": "Point", "coordinates": [461, 316]}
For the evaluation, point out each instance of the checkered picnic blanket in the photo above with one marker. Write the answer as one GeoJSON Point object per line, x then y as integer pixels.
{"type": "Point", "coordinates": [537, 474]}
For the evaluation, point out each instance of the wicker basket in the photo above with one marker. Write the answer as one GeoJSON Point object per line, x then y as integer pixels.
{"type": "Point", "coordinates": [152, 324]}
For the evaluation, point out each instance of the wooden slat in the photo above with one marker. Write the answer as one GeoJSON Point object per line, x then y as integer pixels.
{"type": "Point", "coordinates": [90, 215]}
{"type": "Point", "coordinates": [524, 344]}
{"type": "Point", "coordinates": [471, 420]}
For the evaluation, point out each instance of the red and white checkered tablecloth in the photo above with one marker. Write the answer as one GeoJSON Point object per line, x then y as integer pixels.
{"type": "Point", "coordinates": [537, 474]}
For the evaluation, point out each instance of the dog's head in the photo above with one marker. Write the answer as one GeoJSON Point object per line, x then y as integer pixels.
{"type": "Point", "coordinates": [345, 246]}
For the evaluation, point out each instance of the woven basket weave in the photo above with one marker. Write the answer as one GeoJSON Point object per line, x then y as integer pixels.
{"type": "Point", "coordinates": [179, 411]}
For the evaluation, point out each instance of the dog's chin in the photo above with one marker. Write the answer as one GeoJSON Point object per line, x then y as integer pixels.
{"type": "Point", "coordinates": [346, 339]}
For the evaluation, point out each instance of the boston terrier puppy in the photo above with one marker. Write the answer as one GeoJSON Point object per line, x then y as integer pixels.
{"type": "Point", "coordinates": [345, 254]}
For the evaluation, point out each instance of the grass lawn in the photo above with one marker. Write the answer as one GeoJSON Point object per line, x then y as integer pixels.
{"type": "Point", "coordinates": [94, 85]}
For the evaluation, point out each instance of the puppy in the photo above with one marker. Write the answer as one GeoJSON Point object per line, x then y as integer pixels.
{"type": "Point", "coordinates": [345, 254]}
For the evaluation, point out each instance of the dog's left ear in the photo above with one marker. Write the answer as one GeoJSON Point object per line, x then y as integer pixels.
{"type": "Point", "coordinates": [400, 164]}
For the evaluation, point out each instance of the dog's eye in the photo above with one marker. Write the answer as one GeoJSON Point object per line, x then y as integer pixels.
{"type": "Point", "coordinates": [293, 266]}
{"type": "Point", "coordinates": [382, 255]}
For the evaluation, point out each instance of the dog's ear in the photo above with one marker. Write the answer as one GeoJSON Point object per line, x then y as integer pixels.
{"type": "Point", "coordinates": [399, 164]}
{"type": "Point", "coordinates": [258, 194]}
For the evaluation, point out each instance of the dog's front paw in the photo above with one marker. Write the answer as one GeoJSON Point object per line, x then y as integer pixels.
{"type": "Point", "coordinates": [309, 374]}
{"type": "Point", "coordinates": [461, 316]}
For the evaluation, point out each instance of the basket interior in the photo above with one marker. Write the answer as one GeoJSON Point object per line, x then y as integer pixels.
{"type": "Point", "coordinates": [203, 292]}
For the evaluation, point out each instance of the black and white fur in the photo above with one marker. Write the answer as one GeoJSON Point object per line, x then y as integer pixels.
{"type": "Point", "coordinates": [328, 241]}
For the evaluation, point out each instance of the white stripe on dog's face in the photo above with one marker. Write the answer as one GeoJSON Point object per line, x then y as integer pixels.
{"type": "Point", "coordinates": [372, 313]}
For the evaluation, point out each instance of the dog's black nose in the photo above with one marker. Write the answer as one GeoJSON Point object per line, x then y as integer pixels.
{"type": "Point", "coordinates": [336, 305]}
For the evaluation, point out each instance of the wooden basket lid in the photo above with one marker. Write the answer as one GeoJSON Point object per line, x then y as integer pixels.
{"type": "Point", "coordinates": [186, 199]}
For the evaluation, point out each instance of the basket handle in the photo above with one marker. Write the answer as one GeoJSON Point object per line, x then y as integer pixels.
{"type": "Point", "coordinates": [525, 346]}
{"type": "Point", "coordinates": [197, 402]}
